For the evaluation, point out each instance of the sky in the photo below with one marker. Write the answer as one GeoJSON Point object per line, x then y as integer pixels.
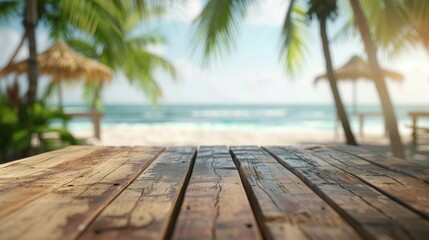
{"type": "Point", "coordinates": [252, 73]}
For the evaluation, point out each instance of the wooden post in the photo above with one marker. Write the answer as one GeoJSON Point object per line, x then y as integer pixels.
{"type": "Point", "coordinates": [96, 117]}
{"type": "Point", "coordinates": [361, 123]}
{"type": "Point", "coordinates": [337, 119]}
{"type": "Point", "coordinates": [355, 96]}
{"type": "Point", "coordinates": [414, 129]}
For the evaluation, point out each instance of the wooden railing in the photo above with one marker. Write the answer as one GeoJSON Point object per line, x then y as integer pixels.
{"type": "Point", "coordinates": [415, 128]}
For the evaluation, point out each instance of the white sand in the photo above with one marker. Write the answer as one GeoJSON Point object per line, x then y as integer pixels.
{"type": "Point", "coordinates": [129, 135]}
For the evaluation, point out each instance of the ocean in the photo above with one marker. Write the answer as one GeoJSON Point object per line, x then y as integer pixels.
{"type": "Point", "coordinates": [242, 117]}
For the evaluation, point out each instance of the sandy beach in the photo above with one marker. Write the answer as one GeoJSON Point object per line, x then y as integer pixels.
{"type": "Point", "coordinates": [126, 135]}
{"type": "Point", "coordinates": [137, 135]}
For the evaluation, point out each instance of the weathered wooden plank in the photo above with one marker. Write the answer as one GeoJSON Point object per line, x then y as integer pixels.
{"type": "Point", "coordinates": [144, 209]}
{"type": "Point", "coordinates": [67, 210]}
{"type": "Point", "coordinates": [285, 207]}
{"type": "Point", "coordinates": [408, 191]}
{"type": "Point", "coordinates": [30, 165]}
{"type": "Point", "coordinates": [215, 204]}
{"type": "Point", "coordinates": [33, 181]}
{"type": "Point", "coordinates": [391, 163]}
{"type": "Point", "coordinates": [43, 156]}
{"type": "Point", "coordinates": [373, 214]}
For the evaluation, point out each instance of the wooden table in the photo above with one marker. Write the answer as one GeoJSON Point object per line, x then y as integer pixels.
{"type": "Point", "coordinates": [415, 129]}
{"type": "Point", "coordinates": [246, 192]}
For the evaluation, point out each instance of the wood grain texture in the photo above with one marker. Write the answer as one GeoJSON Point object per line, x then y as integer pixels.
{"type": "Point", "coordinates": [66, 211]}
{"type": "Point", "coordinates": [25, 181]}
{"type": "Point", "coordinates": [46, 155]}
{"type": "Point", "coordinates": [408, 191]}
{"type": "Point", "coordinates": [391, 163]}
{"type": "Point", "coordinates": [285, 207]}
{"type": "Point", "coordinates": [373, 214]}
{"type": "Point", "coordinates": [22, 168]}
{"type": "Point", "coordinates": [144, 209]}
{"type": "Point", "coordinates": [215, 205]}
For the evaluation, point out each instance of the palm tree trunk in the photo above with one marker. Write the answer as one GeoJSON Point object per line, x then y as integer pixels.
{"type": "Point", "coordinates": [388, 111]}
{"type": "Point", "coordinates": [30, 28]}
{"type": "Point", "coordinates": [334, 88]}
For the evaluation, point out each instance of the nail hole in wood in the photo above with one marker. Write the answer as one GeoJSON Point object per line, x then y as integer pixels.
{"type": "Point", "coordinates": [70, 185]}
{"type": "Point", "coordinates": [97, 231]}
{"type": "Point", "coordinates": [116, 184]}
{"type": "Point", "coordinates": [249, 225]}
{"type": "Point", "coordinates": [188, 207]}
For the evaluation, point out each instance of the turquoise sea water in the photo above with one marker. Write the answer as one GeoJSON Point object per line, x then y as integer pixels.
{"type": "Point", "coordinates": [246, 117]}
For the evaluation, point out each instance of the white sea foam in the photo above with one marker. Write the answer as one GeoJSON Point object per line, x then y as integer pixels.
{"type": "Point", "coordinates": [251, 118]}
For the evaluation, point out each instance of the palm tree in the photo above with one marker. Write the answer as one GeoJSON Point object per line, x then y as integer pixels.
{"type": "Point", "coordinates": [371, 50]}
{"type": "Point", "coordinates": [101, 24]}
{"type": "Point", "coordinates": [32, 12]}
{"type": "Point", "coordinates": [324, 10]}
{"type": "Point", "coordinates": [218, 23]}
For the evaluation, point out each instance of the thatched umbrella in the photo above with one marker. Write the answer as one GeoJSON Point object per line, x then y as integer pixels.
{"type": "Point", "coordinates": [63, 64]}
{"type": "Point", "coordinates": [356, 69]}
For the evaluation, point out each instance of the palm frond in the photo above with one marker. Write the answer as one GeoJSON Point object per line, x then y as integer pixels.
{"type": "Point", "coordinates": [217, 27]}
{"type": "Point", "coordinates": [84, 47]}
{"type": "Point", "coordinates": [146, 40]}
{"type": "Point", "coordinates": [389, 22]}
{"type": "Point", "coordinates": [10, 10]}
{"type": "Point", "coordinates": [293, 46]}
{"type": "Point", "coordinates": [347, 29]}
{"type": "Point", "coordinates": [92, 14]}
{"type": "Point", "coordinates": [140, 73]}
{"type": "Point", "coordinates": [418, 10]}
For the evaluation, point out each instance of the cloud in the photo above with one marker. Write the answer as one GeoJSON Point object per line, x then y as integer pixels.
{"type": "Point", "coordinates": [261, 79]}
{"type": "Point", "coordinates": [184, 11]}
{"type": "Point", "coordinates": [268, 13]}
{"type": "Point", "coordinates": [10, 43]}
{"type": "Point", "coordinates": [188, 72]}
{"type": "Point", "coordinates": [158, 49]}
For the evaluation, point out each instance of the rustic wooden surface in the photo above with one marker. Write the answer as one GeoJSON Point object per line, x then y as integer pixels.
{"type": "Point", "coordinates": [215, 204]}
{"type": "Point", "coordinates": [213, 192]}
{"type": "Point", "coordinates": [144, 208]}
{"type": "Point", "coordinates": [287, 207]}
{"type": "Point", "coordinates": [373, 214]}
